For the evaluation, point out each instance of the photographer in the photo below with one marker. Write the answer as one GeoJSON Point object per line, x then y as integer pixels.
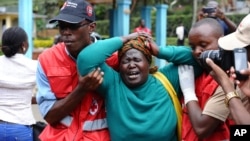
{"type": "Point", "coordinates": [239, 111]}
{"type": "Point", "coordinates": [212, 10]}
{"type": "Point", "coordinates": [239, 108]}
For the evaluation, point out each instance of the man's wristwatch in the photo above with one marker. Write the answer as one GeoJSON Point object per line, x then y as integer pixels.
{"type": "Point", "coordinates": [231, 95]}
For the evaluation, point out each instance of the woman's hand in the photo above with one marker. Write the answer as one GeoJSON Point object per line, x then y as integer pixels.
{"type": "Point", "coordinates": [135, 35]}
{"type": "Point", "coordinates": [153, 47]}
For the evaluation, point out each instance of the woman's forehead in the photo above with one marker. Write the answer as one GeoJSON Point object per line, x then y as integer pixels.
{"type": "Point", "coordinates": [133, 51]}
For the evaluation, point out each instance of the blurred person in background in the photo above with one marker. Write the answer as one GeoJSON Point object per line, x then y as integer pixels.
{"type": "Point", "coordinates": [95, 36]}
{"type": "Point", "coordinates": [212, 10]}
{"type": "Point", "coordinates": [181, 32]}
{"type": "Point", "coordinates": [142, 27]}
{"type": "Point", "coordinates": [17, 82]}
{"type": "Point", "coordinates": [57, 39]}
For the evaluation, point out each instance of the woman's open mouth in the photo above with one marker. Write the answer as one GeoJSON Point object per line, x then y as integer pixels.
{"type": "Point", "coordinates": [133, 75]}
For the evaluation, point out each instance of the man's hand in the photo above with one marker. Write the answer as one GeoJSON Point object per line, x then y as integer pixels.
{"type": "Point", "coordinates": [244, 85]}
{"type": "Point", "coordinates": [92, 80]}
{"type": "Point", "coordinates": [220, 76]}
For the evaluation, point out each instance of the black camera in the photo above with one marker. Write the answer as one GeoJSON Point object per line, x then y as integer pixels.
{"type": "Point", "coordinates": [225, 59]}
{"type": "Point", "coordinates": [208, 10]}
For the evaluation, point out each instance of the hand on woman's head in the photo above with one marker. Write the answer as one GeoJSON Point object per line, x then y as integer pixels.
{"type": "Point", "coordinates": [135, 35]}
{"type": "Point", "coordinates": [140, 43]}
{"type": "Point", "coordinates": [153, 47]}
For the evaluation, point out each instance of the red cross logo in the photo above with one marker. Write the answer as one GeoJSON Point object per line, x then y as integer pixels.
{"type": "Point", "coordinates": [94, 107]}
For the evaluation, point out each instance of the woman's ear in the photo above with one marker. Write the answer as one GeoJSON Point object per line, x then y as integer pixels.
{"type": "Point", "coordinates": [25, 46]}
{"type": "Point", "coordinates": [24, 49]}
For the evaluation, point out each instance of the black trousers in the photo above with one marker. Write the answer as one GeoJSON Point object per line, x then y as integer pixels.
{"type": "Point", "coordinates": [180, 42]}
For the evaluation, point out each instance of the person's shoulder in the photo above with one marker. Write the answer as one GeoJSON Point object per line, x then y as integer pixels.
{"type": "Point", "coordinates": [136, 29]}
{"type": "Point", "coordinates": [2, 56]}
{"type": "Point", "coordinates": [169, 68]}
{"type": "Point", "coordinates": [27, 62]}
{"type": "Point", "coordinates": [218, 90]}
{"type": "Point", "coordinates": [55, 49]}
{"type": "Point", "coordinates": [148, 29]}
{"type": "Point", "coordinates": [110, 40]}
{"type": "Point", "coordinates": [33, 64]}
{"type": "Point", "coordinates": [30, 60]}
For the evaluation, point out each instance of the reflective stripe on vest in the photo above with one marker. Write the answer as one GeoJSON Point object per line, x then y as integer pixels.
{"type": "Point", "coordinates": [89, 125]}
{"type": "Point", "coordinates": [67, 121]}
{"type": "Point", "coordinates": [95, 124]}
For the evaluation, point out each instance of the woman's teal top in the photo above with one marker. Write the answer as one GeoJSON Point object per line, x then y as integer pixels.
{"type": "Point", "coordinates": [145, 113]}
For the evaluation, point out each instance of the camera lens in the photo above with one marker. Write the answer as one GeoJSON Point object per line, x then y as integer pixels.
{"type": "Point", "coordinates": [213, 55]}
{"type": "Point", "coordinates": [223, 58]}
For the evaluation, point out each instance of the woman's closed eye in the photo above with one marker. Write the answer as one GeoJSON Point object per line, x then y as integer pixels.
{"type": "Point", "coordinates": [128, 60]}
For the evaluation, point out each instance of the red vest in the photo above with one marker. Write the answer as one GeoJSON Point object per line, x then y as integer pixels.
{"type": "Point", "coordinates": [88, 121]}
{"type": "Point", "coordinates": [206, 88]}
{"type": "Point", "coordinates": [142, 29]}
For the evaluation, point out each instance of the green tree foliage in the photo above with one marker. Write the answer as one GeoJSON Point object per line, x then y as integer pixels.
{"type": "Point", "coordinates": [178, 10]}
{"type": "Point", "coordinates": [102, 11]}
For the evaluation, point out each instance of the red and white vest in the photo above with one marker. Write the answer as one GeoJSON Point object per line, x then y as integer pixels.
{"type": "Point", "coordinates": [207, 87]}
{"type": "Point", "coordinates": [88, 121]}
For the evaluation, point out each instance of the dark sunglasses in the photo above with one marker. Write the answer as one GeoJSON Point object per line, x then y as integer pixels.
{"type": "Point", "coordinates": [64, 26]}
